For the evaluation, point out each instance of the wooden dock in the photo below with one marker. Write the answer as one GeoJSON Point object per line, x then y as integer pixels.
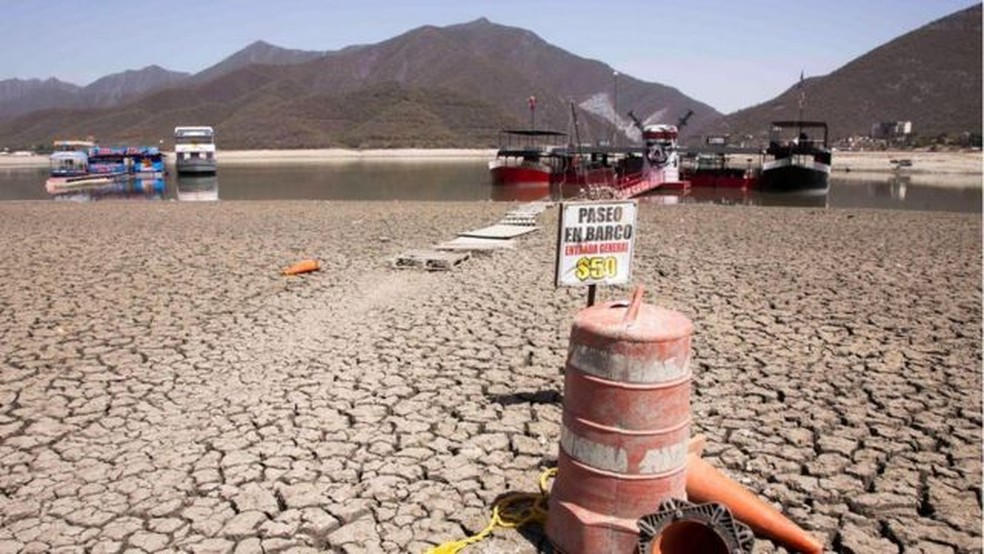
{"type": "Point", "coordinates": [445, 256]}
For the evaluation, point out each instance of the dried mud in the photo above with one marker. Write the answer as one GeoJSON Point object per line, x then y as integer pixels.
{"type": "Point", "coordinates": [163, 388]}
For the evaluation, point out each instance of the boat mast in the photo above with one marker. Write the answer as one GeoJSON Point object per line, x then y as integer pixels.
{"type": "Point", "coordinates": [682, 122]}
{"type": "Point", "coordinates": [802, 100]}
{"type": "Point", "coordinates": [578, 167]}
{"type": "Point", "coordinates": [636, 122]}
{"type": "Point", "coordinates": [532, 102]}
{"type": "Point", "coordinates": [615, 110]}
{"type": "Point", "coordinates": [577, 132]}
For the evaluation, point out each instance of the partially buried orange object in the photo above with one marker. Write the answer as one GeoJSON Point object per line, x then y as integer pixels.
{"type": "Point", "coordinates": [305, 266]}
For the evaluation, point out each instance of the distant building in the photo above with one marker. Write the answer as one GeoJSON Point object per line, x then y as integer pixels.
{"type": "Point", "coordinates": [891, 130]}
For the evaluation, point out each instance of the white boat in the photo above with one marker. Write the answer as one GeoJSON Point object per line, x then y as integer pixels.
{"type": "Point", "coordinates": [194, 150]}
{"type": "Point", "coordinates": [70, 158]}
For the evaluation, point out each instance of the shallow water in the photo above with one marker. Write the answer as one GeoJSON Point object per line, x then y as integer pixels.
{"type": "Point", "coordinates": [469, 181]}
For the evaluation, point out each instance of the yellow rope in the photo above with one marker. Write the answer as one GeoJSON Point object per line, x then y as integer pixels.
{"type": "Point", "coordinates": [509, 512]}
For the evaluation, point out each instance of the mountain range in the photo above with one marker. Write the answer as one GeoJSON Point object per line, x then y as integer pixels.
{"type": "Point", "coordinates": [457, 86]}
{"type": "Point", "coordinates": [930, 76]}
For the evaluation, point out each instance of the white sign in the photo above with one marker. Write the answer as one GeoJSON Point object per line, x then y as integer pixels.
{"type": "Point", "coordinates": [594, 243]}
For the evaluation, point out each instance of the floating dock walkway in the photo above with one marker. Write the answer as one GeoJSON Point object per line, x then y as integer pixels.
{"type": "Point", "coordinates": [517, 222]}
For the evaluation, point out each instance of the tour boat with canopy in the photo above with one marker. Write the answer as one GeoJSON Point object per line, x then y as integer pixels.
{"type": "Point", "coordinates": [796, 161]}
{"type": "Point", "coordinates": [526, 158]}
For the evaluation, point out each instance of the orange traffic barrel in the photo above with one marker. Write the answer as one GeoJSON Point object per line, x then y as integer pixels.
{"type": "Point", "coordinates": [625, 425]}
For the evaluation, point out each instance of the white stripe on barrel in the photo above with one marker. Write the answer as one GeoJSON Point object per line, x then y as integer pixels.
{"type": "Point", "coordinates": [618, 367]}
{"type": "Point", "coordinates": [655, 461]}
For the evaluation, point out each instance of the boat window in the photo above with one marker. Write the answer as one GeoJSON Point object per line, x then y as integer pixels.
{"type": "Point", "coordinates": [193, 139]}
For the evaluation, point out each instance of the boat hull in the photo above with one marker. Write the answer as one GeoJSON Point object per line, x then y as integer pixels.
{"type": "Point", "coordinates": [792, 178]}
{"type": "Point", "coordinates": [504, 175]}
{"type": "Point", "coordinates": [55, 185]}
{"type": "Point", "coordinates": [196, 166]}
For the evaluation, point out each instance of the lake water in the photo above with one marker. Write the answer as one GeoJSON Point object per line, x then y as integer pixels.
{"type": "Point", "coordinates": [469, 181]}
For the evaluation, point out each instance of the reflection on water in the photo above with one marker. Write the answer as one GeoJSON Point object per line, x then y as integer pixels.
{"type": "Point", "coordinates": [470, 181]}
{"type": "Point", "coordinates": [359, 180]}
{"type": "Point", "coordinates": [203, 188]}
{"type": "Point", "coordinates": [522, 193]}
{"type": "Point", "coordinates": [134, 188]}
{"type": "Point", "coordinates": [736, 197]}
{"type": "Point", "coordinates": [949, 193]}
{"type": "Point", "coordinates": [893, 188]}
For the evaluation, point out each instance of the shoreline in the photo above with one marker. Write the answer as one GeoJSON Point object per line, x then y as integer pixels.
{"type": "Point", "coordinates": [925, 163]}
{"type": "Point", "coordinates": [332, 155]}
{"type": "Point", "coordinates": [307, 156]}
{"type": "Point", "coordinates": [938, 163]}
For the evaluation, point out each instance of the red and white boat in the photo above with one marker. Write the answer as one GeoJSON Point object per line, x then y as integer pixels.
{"type": "Point", "coordinates": [526, 159]}
{"type": "Point", "coordinates": [708, 166]}
{"type": "Point", "coordinates": [531, 158]}
{"type": "Point", "coordinates": [633, 171]}
{"type": "Point", "coordinates": [713, 171]}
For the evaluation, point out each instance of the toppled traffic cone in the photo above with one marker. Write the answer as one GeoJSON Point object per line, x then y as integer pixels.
{"type": "Point", "coordinates": [302, 267]}
{"type": "Point", "coordinates": [706, 484]}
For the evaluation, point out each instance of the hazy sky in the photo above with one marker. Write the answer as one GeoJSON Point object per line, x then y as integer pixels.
{"type": "Point", "coordinates": [730, 54]}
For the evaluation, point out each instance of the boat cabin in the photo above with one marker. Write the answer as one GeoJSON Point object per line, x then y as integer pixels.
{"type": "Point", "coordinates": [146, 159]}
{"type": "Point", "coordinates": [526, 157]}
{"type": "Point", "coordinates": [68, 164]}
{"type": "Point", "coordinates": [194, 150]}
{"type": "Point", "coordinates": [799, 139]}
{"type": "Point", "coordinates": [70, 158]}
{"type": "Point", "coordinates": [108, 160]}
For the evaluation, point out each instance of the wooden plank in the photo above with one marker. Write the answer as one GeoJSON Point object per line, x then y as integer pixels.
{"type": "Point", "coordinates": [475, 243]}
{"type": "Point", "coordinates": [499, 232]}
{"type": "Point", "coordinates": [523, 221]}
{"type": "Point", "coordinates": [431, 260]}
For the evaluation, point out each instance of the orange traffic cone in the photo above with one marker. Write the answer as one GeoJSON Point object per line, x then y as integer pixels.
{"type": "Point", "coordinates": [706, 484]}
{"type": "Point", "coordinates": [301, 267]}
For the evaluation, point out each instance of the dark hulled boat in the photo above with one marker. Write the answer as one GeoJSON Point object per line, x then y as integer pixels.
{"type": "Point", "coordinates": [800, 163]}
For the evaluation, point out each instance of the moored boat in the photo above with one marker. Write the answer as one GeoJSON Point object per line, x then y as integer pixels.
{"type": "Point", "coordinates": [147, 161]}
{"type": "Point", "coordinates": [194, 150]}
{"type": "Point", "coordinates": [625, 172]}
{"type": "Point", "coordinates": [800, 163]}
{"type": "Point", "coordinates": [711, 170]}
{"type": "Point", "coordinates": [82, 165]}
{"type": "Point", "coordinates": [525, 158]}
{"type": "Point", "coordinates": [594, 171]}
{"type": "Point", "coordinates": [70, 158]}
{"type": "Point", "coordinates": [660, 163]}
{"type": "Point", "coordinates": [108, 160]}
